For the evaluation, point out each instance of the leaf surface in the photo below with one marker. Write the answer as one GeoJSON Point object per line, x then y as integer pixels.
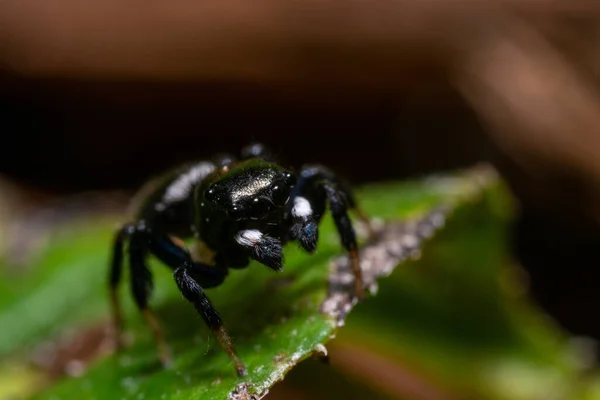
{"type": "Point", "coordinates": [279, 319]}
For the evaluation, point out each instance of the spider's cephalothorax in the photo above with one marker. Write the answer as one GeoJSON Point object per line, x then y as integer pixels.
{"type": "Point", "coordinates": [239, 210]}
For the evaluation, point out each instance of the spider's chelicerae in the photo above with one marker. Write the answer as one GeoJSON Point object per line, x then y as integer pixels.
{"type": "Point", "coordinates": [240, 210]}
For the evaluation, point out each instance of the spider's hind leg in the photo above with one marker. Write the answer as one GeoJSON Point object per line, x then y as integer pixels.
{"type": "Point", "coordinates": [116, 269]}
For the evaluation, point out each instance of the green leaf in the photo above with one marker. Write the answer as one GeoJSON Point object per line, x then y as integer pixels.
{"type": "Point", "coordinates": [424, 312]}
{"type": "Point", "coordinates": [461, 316]}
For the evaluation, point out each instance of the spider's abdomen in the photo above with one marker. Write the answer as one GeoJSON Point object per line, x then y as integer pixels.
{"type": "Point", "coordinates": [167, 202]}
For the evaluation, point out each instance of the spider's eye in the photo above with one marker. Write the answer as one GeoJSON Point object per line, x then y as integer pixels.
{"type": "Point", "coordinates": [279, 194]}
{"type": "Point", "coordinates": [236, 213]}
{"type": "Point", "coordinates": [260, 207]}
{"type": "Point", "coordinates": [289, 179]}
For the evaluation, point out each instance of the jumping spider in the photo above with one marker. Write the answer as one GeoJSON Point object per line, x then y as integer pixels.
{"type": "Point", "coordinates": [240, 210]}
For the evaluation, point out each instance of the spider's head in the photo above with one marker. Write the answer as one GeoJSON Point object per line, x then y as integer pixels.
{"type": "Point", "coordinates": [252, 190]}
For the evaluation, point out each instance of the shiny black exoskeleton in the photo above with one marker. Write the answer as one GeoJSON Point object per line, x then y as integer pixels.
{"type": "Point", "coordinates": [238, 211]}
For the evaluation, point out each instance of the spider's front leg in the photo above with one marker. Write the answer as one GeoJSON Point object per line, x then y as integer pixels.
{"type": "Point", "coordinates": [192, 278]}
{"type": "Point", "coordinates": [316, 186]}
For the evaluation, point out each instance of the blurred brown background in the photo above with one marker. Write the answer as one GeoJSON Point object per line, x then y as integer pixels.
{"type": "Point", "coordinates": [100, 95]}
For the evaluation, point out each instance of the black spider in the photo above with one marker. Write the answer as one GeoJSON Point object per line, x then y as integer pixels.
{"type": "Point", "coordinates": [239, 210]}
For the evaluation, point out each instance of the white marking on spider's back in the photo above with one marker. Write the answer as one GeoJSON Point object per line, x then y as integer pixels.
{"type": "Point", "coordinates": [249, 237]}
{"type": "Point", "coordinates": [182, 186]}
{"type": "Point", "coordinates": [301, 207]}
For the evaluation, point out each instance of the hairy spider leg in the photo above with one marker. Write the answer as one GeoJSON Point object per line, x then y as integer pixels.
{"type": "Point", "coordinates": [115, 278]}
{"type": "Point", "coordinates": [344, 187]}
{"type": "Point", "coordinates": [142, 285]}
{"type": "Point", "coordinates": [339, 211]}
{"type": "Point", "coordinates": [193, 292]}
{"type": "Point", "coordinates": [191, 278]}
{"type": "Point", "coordinates": [315, 180]}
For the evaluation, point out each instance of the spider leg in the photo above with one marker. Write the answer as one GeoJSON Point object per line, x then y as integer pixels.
{"type": "Point", "coordinates": [317, 172]}
{"type": "Point", "coordinates": [344, 227]}
{"type": "Point", "coordinates": [263, 248]}
{"type": "Point", "coordinates": [194, 293]}
{"type": "Point", "coordinates": [142, 285]}
{"type": "Point", "coordinates": [315, 185]}
{"type": "Point", "coordinates": [172, 254]}
{"type": "Point", "coordinates": [116, 268]}
{"type": "Point", "coordinates": [191, 278]}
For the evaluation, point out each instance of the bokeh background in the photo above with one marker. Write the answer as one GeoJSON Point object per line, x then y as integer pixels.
{"type": "Point", "coordinates": [101, 95]}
